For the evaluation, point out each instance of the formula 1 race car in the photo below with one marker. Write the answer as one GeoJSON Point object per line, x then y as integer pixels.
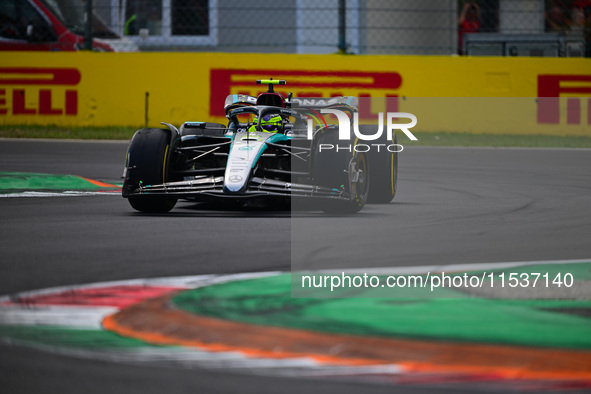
{"type": "Point", "coordinates": [269, 150]}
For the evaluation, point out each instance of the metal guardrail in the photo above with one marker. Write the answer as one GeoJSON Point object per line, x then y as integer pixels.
{"type": "Point", "coordinates": [545, 45]}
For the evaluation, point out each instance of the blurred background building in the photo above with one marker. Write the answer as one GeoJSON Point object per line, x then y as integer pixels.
{"type": "Point", "coordinates": [421, 27]}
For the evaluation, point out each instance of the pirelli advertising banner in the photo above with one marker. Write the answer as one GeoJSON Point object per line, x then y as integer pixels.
{"type": "Point", "coordinates": [463, 94]}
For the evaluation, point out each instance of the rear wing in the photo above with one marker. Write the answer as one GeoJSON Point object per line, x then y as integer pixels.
{"type": "Point", "coordinates": [348, 103]}
{"type": "Point", "coordinates": [313, 106]}
{"type": "Point", "coordinates": [234, 101]}
{"type": "Point", "coordinates": [325, 102]}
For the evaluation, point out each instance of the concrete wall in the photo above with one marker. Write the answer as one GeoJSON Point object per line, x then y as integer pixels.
{"type": "Point", "coordinates": [409, 26]}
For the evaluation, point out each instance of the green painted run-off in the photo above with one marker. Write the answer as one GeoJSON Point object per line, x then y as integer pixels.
{"type": "Point", "coordinates": [68, 337]}
{"type": "Point", "coordinates": [22, 181]}
{"type": "Point", "coordinates": [267, 301]}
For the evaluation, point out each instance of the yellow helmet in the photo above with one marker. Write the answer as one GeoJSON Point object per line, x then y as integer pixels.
{"type": "Point", "coordinates": [269, 123]}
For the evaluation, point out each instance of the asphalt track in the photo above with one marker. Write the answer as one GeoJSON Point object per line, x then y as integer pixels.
{"type": "Point", "coordinates": [454, 205]}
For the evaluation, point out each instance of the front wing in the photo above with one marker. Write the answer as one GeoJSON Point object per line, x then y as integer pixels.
{"type": "Point", "coordinates": [212, 187]}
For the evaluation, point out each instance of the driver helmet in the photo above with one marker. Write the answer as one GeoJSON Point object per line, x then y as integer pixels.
{"type": "Point", "coordinates": [270, 123]}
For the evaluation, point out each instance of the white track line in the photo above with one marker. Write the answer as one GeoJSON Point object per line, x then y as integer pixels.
{"type": "Point", "coordinates": [62, 315]}
{"type": "Point", "coordinates": [59, 194]}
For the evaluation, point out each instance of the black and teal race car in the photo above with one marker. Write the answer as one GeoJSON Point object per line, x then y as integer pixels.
{"type": "Point", "coordinates": [270, 150]}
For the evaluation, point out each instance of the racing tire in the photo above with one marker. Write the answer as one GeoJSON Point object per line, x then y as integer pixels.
{"type": "Point", "coordinates": [333, 168]}
{"type": "Point", "coordinates": [147, 162]}
{"type": "Point", "coordinates": [384, 169]}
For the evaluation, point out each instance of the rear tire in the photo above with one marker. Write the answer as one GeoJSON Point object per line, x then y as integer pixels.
{"type": "Point", "coordinates": [384, 170]}
{"type": "Point", "coordinates": [148, 162]}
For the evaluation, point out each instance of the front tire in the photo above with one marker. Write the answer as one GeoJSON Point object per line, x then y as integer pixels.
{"type": "Point", "coordinates": [338, 169]}
{"type": "Point", "coordinates": [147, 162]}
{"type": "Point", "coordinates": [359, 171]}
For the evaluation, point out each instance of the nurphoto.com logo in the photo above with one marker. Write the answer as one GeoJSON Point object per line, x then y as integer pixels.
{"type": "Point", "coordinates": [369, 140]}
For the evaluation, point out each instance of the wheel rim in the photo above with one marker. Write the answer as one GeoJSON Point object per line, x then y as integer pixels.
{"type": "Point", "coordinates": [360, 182]}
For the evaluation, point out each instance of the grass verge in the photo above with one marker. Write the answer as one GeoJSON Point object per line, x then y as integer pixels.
{"type": "Point", "coordinates": [425, 139]}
